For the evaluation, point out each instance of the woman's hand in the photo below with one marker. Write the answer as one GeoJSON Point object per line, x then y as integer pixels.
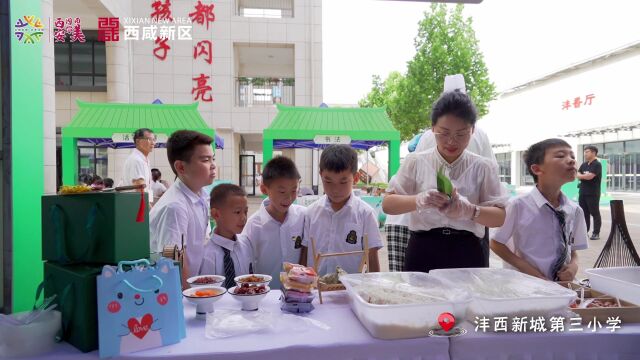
{"type": "Point", "coordinates": [431, 199]}
{"type": "Point", "coordinates": [458, 207]}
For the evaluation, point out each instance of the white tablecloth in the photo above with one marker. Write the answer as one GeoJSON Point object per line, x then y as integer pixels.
{"type": "Point", "coordinates": [347, 339]}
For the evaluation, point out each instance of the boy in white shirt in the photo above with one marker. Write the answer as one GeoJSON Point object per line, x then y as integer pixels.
{"type": "Point", "coordinates": [276, 230]}
{"type": "Point", "coordinates": [227, 253]}
{"type": "Point", "coordinates": [339, 220]}
{"type": "Point", "coordinates": [547, 228]}
{"type": "Point", "coordinates": [183, 211]}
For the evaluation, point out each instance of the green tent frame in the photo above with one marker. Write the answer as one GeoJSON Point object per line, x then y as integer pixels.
{"type": "Point", "coordinates": [102, 120]}
{"type": "Point", "coordinates": [305, 123]}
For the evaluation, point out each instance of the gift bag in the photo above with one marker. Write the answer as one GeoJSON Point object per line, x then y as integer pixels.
{"type": "Point", "coordinates": [75, 290]}
{"type": "Point", "coordinates": [139, 307]}
{"type": "Point", "coordinates": [100, 228]}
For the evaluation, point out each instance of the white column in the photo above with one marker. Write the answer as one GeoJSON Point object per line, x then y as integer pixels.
{"type": "Point", "coordinates": [49, 105]}
{"type": "Point", "coordinates": [118, 77]}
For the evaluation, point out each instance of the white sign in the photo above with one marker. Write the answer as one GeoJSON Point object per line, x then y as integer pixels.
{"type": "Point", "coordinates": [332, 139]}
{"type": "Point", "coordinates": [128, 138]}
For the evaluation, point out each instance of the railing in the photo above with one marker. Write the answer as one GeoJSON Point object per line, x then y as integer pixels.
{"type": "Point", "coordinates": [252, 92]}
{"type": "Point", "coordinates": [272, 9]}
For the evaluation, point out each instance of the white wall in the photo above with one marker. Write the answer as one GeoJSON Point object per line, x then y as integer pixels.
{"type": "Point", "coordinates": [534, 114]}
{"type": "Point", "coordinates": [67, 107]}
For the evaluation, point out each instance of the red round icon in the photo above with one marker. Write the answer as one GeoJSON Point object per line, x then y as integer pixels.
{"type": "Point", "coordinates": [446, 321]}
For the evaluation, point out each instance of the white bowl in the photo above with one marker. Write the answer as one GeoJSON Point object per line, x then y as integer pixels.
{"type": "Point", "coordinates": [249, 302]}
{"type": "Point", "coordinates": [218, 280]}
{"type": "Point", "coordinates": [204, 304]}
{"type": "Point", "coordinates": [265, 282]}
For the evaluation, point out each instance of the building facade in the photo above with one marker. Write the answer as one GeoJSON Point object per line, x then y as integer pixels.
{"type": "Point", "coordinates": [244, 56]}
{"type": "Point", "coordinates": [588, 103]}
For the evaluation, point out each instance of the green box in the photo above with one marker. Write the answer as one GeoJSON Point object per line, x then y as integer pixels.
{"type": "Point", "coordinates": [97, 228]}
{"type": "Point", "coordinates": [75, 287]}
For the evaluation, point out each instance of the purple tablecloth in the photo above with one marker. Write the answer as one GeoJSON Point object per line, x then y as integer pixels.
{"type": "Point", "coordinates": [347, 339]}
{"type": "Point", "coordinates": [623, 344]}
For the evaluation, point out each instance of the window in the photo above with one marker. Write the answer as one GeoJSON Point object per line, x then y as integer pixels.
{"type": "Point", "coordinates": [504, 167]}
{"type": "Point", "coordinates": [92, 160]}
{"type": "Point", "coordinates": [81, 66]}
{"type": "Point", "coordinates": [525, 178]}
{"type": "Point", "coordinates": [271, 9]}
{"type": "Point", "coordinates": [632, 146]}
{"type": "Point", "coordinates": [614, 148]}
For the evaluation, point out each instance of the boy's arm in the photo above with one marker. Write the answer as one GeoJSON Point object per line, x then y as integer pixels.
{"type": "Point", "coordinates": [569, 271]}
{"type": "Point", "coordinates": [171, 225]}
{"type": "Point", "coordinates": [374, 240]}
{"type": "Point", "coordinates": [374, 264]}
{"type": "Point", "coordinates": [514, 260]}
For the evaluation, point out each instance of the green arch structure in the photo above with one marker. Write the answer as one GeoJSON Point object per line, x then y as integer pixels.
{"type": "Point", "coordinates": [102, 120]}
{"type": "Point", "coordinates": [305, 123]}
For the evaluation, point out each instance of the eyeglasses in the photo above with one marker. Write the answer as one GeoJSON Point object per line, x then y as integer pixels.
{"type": "Point", "coordinates": [149, 139]}
{"type": "Point", "coordinates": [457, 138]}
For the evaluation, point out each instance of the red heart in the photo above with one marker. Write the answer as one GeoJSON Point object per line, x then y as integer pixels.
{"type": "Point", "coordinates": [140, 329]}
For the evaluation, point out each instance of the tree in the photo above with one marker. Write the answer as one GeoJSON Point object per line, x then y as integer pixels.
{"type": "Point", "coordinates": [445, 45]}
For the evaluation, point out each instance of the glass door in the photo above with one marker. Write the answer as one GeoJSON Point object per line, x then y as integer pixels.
{"type": "Point", "coordinates": [248, 174]}
{"type": "Point", "coordinates": [630, 172]}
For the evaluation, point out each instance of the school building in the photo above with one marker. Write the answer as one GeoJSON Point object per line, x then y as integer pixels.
{"type": "Point", "coordinates": [243, 57]}
{"type": "Point", "coordinates": [592, 102]}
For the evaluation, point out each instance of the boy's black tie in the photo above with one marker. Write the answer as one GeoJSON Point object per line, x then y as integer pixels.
{"type": "Point", "coordinates": [229, 269]}
{"type": "Point", "coordinates": [562, 258]}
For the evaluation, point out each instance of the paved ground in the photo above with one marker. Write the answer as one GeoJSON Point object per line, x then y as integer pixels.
{"type": "Point", "coordinates": [587, 257]}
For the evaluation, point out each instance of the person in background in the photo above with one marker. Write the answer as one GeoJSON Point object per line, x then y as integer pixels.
{"type": "Point", "coordinates": [590, 175]}
{"type": "Point", "coordinates": [108, 183]}
{"type": "Point", "coordinates": [97, 183]}
{"type": "Point", "coordinates": [85, 179]}
{"type": "Point", "coordinates": [157, 187]}
{"type": "Point", "coordinates": [137, 170]}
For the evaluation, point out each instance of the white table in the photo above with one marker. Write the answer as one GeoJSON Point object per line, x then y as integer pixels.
{"type": "Point", "coordinates": [347, 339]}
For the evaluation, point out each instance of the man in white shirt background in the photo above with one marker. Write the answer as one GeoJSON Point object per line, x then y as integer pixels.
{"type": "Point", "coordinates": [158, 187]}
{"type": "Point", "coordinates": [137, 169]}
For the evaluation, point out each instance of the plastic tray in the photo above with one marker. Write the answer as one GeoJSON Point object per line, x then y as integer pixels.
{"type": "Point", "coordinates": [621, 282]}
{"type": "Point", "coordinates": [507, 293]}
{"type": "Point", "coordinates": [403, 321]}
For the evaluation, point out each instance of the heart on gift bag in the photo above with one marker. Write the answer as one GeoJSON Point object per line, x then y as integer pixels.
{"type": "Point", "coordinates": [140, 329]}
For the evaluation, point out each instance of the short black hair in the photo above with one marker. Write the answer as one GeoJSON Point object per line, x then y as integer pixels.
{"type": "Point", "coordinates": [592, 148]}
{"type": "Point", "coordinates": [535, 154]}
{"type": "Point", "coordinates": [222, 192]}
{"type": "Point", "coordinates": [280, 167]}
{"type": "Point", "coordinates": [155, 174]}
{"type": "Point", "coordinates": [181, 145]}
{"type": "Point", "coordinates": [454, 103]}
{"type": "Point", "coordinates": [139, 134]}
{"type": "Point", "coordinates": [108, 182]}
{"type": "Point", "coordinates": [86, 179]}
{"type": "Point", "coordinates": [338, 158]}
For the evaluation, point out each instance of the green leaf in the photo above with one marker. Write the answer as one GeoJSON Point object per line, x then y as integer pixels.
{"type": "Point", "coordinates": [444, 184]}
